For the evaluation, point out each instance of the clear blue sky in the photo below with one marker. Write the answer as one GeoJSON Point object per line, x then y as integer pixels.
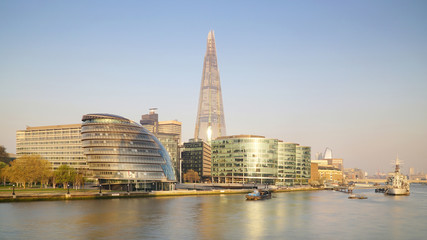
{"type": "Point", "coordinates": [349, 75]}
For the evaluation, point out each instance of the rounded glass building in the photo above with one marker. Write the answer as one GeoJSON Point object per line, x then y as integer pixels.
{"type": "Point", "coordinates": [121, 152]}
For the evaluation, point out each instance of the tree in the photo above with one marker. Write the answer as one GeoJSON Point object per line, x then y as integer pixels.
{"type": "Point", "coordinates": [28, 169]}
{"type": "Point", "coordinates": [4, 156]}
{"type": "Point", "coordinates": [191, 176]}
{"type": "Point", "coordinates": [64, 175]}
{"type": "Point", "coordinates": [2, 172]}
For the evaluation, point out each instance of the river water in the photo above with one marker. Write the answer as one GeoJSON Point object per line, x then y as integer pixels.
{"type": "Point", "coordinates": [297, 215]}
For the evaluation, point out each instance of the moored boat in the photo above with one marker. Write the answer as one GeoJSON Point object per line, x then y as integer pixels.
{"type": "Point", "coordinates": [258, 195]}
{"type": "Point", "coordinates": [397, 183]}
{"type": "Point", "coordinates": [357, 196]}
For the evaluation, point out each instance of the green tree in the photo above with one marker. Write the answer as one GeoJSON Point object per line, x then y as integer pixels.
{"type": "Point", "coordinates": [4, 156]}
{"type": "Point", "coordinates": [64, 175]}
{"type": "Point", "coordinates": [28, 169]}
{"type": "Point", "coordinates": [2, 174]}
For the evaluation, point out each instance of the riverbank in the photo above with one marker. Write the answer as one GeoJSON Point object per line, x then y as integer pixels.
{"type": "Point", "coordinates": [57, 195]}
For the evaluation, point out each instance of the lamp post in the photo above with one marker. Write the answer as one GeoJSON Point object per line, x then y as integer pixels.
{"type": "Point", "coordinates": [68, 188]}
{"type": "Point", "coordinates": [13, 191]}
{"type": "Point", "coordinates": [100, 188]}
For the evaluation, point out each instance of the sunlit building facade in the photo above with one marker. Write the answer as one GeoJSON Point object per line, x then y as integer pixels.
{"type": "Point", "coordinates": [120, 151]}
{"type": "Point", "coordinates": [59, 144]}
{"type": "Point", "coordinates": [303, 164]}
{"type": "Point", "coordinates": [260, 160]}
{"type": "Point", "coordinates": [210, 121]}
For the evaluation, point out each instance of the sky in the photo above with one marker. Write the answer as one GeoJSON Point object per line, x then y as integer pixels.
{"type": "Point", "coordinates": [348, 75]}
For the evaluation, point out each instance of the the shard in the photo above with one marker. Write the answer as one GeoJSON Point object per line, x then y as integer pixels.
{"type": "Point", "coordinates": [210, 122]}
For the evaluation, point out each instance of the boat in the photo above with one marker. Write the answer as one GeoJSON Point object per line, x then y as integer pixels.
{"type": "Point", "coordinates": [397, 183]}
{"type": "Point", "coordinates": [258, 195]}
{"type": "Point", "coordinates": [357, 196]}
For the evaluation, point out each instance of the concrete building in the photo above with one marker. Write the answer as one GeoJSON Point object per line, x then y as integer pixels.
{"type": "Point", "coordinates": [121, 152]}
{"type": "Point", "coordinates": [59, 144]}
{"type": "Point", "coordinates": [196, 156]}
{"type": "Point", "coordinates": [256, 159]}
{"type": "Point", "coordinates": [168, 133]}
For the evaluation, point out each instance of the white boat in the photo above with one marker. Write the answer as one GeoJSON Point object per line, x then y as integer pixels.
{"type": "Point", "coordinates": [398, 183]}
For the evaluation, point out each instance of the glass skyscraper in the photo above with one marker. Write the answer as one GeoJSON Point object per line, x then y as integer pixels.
{"type": "Point", "coordinates": [210, 122]}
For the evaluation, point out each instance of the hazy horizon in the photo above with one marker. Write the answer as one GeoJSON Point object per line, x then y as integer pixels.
{"type": "Point", "coordinates": [350, 75]}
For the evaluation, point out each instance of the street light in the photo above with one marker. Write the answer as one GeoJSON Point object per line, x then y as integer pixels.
{"type": "Point", "coordinates": [100, 188]}
{"type": "Point", "coordinates": [68, 188]}
{"type": "Point", "coordinates": [128, 187]}
{"type": "Point", "coordinates": [13, 192]}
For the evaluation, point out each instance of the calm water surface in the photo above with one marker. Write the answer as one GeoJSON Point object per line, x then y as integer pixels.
{"type": "Point", "coordinates": [300, 215]}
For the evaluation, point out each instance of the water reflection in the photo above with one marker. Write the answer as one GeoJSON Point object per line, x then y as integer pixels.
{"type": "Point", "coordinates": [302, 215]}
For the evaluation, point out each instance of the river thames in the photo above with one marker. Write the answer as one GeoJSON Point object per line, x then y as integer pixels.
{"type": "Point", "coordinates": [294, 215]}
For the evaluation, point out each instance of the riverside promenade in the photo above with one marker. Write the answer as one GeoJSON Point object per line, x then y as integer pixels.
{"type": "Point", "coordinates": [62, 194]}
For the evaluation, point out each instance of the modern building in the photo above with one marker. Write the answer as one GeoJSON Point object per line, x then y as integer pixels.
{"type": "Point", "coordinates": [303, 164]}
{"type": "Point", "coordinates": [260, 160]}
{"type": "Point", "coordinates": [168, 133]}
{"type": "Point", "coordinates": [196, 156]}
{"type": "Point", "coordinates": [121, 152]}
{"type": "Point", "coordinates": [59, 144]}
{"type": "Point", "coordinates": [210, 122]}
{"type": "Point", "coordinates": [286, 163]}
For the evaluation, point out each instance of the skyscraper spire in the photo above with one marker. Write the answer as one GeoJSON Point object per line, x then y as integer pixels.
{"type": "Point", "coordinates": [210, 122]}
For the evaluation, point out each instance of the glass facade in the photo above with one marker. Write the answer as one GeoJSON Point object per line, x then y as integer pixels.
{"type": "Point", "coordinates": [119, 151]}
{"type": "Point", "coordinates": [168, 133]}
{"type": "Point", "coordinates": [210, 122]}
{"type": "Point", "coordinates": [256, 159]}
{"type": "Point", "coordinates": [59, 144]}
{"type": "Point", "coordinates": [303, 164]}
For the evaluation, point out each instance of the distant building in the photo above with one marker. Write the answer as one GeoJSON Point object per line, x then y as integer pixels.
{"type": "Point", "coordinates": [168, 133]}
{"type": "Point", "coordinates": [336, 162]}
{"type": "Point", "coordinates": [319, 156]}
{"type": "Point", "coordinates": [256, 159]}
{"type": "Point", "coordinates": [315, 176]}
{"type": "Point", "coordinates": [121, 152]}
{"type": "Point", "coordinates": [327, 154]}
{"type": "Point", "coordinates": [330, 174]}
{"type": "Point", "coordinates": [196, 156]}
{"type": "Point", "coordinates": [354, 173]}
{"type": "Point", "coordinates": [59, 144]}
{"type": "Point", "coordinates": [210, 122]}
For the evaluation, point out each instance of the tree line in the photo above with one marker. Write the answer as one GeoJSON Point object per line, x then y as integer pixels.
{"type": "Point", "coordinates": [29, 170]}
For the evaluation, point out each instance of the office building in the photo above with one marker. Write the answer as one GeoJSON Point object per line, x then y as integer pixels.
{"type": "Point", "coordinates": [196, 156]}
{"type": "Point", "coordinates": [210, 122]}
{"type": "Point", "coordinates": [59, 144]}
{"type": "Point", "coordinates": [120, 152]}
{"type": "Point", "coordinates": [168, 133]}
{"type": "Point", "coordinates": [260, 160]}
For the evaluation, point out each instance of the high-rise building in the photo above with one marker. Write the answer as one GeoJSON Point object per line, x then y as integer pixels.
{"type": "Point", "coordinates": [59, 144]}
{"type": "Point", "coordinates": [210, 122]}
{"type": "Point", "coordinates": [196, 156]}
{"type": "Point", "coordinates": [168, 133]}
{"type": "Point", "coordinates": [121, 152]}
